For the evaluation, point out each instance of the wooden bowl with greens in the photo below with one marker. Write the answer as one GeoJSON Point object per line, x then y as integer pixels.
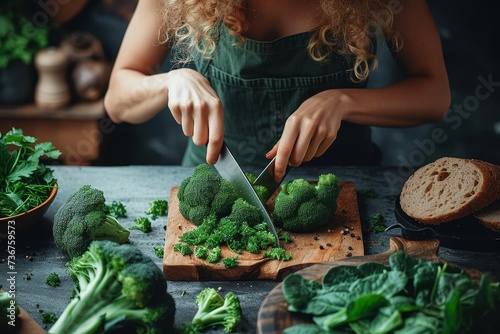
{"type": "Point", "coordinates": [27, 185]}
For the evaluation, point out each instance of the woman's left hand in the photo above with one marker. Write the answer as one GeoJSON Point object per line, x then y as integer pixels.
{"type": "Point", "coordinates": [308, 132]}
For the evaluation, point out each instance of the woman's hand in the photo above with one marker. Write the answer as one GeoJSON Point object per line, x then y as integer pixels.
{"type": "Point", "coordinates": [308, 132]}
{"type": "Point", "coordinates": [197, 108]}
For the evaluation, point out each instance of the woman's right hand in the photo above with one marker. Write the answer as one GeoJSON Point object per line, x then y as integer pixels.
{"type": "Point", "coordinates": [197, 108]}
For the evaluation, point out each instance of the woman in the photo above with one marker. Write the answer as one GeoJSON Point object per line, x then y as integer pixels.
{"type": "Point", "coordinates": [282, 78]}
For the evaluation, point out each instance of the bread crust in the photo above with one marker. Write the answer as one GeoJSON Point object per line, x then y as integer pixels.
{"type": "Point", "coordinates": [449, 189]}
{"type": "Point", "coordinates": [490, 216]}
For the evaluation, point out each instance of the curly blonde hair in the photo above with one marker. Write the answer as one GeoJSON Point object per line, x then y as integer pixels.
{"type": "Point", "coordinates": [348, 27]}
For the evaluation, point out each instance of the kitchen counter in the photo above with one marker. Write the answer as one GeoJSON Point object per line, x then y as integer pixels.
{"type": "Point", "coordinates": [136, 186]}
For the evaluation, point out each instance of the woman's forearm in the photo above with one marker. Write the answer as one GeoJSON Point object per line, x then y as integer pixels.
{"type": "Point", "coordinates": [415, 101]}
{"type": "Point", "coordinates": [133, 97]}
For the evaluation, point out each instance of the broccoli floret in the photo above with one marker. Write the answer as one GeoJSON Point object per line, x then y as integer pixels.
{"type": "Point", "coordinates": [201, 252]}
{"type": "Point", "coordinates": [201, 233]}
{"type": "Point", "coordinates": [157, 208]}
{"type": "Point", "coordinates": [214, 254]}
{"type": "Point", "coordinates": [214, 311]}
{"type": "Point", "coordinates": [116, 209]}
{"type": "Point", "coordinates": [205, 193]}
{"type": "Point", "coordinates": [48, 317]}
{"type": "Point", "coordinates": [9, 310]}
{"type": "Point", "coordinates": [242, 211]}
{"type": "Point", "coordinates": [301, 206]}
{"type": "Point", "coordinates": [230, 262]}
{"type": "Point", "coordinates": [285, 236]}
{"type": "Point", "coordinates": [277, 253]}
{"type": "Point", "coordinates": [53, 279]}
{"type": "Point", "coordinates": [159, 251]}
{"type": "Point", "coordinates": [261, 190]}
{"type": "Point", "coordinates": [143, 224]}
{"type": "Point", "coordinates": [116, 285]}
{"type": "Point", "coordinates": [82, 219]}
{"type": "Point", "coordinates": [184, 249]}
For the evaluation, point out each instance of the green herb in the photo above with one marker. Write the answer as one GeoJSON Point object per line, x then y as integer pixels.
{"type": "Point", "coordinates": [48, 317]}
{"type": "Point", "coordinates": [157, 208]}
{"type": "Point", "coordinates": [116, 209]}
{"type": "Point", "coordinates": [378, 222]}
{"type": "Point", "coordinates": [409, 296]}
{"type": "Point", "coordinates": [53, 279]}
{"type": "Point", "coordinates": [25, 182]}
{"type": "Point", "coordinates": [159, 251]}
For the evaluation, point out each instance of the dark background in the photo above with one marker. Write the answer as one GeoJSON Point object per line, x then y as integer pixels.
{"type": "Point", "coordinates": [469, 33]}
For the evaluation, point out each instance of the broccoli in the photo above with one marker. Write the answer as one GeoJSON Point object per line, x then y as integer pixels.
{"type": "Point", "coordinates": [205, 193]}
{"type": "Point", "coordinates": [200, 251]}
{"type": "Point", "coordinates": [143, 224]}
{"type": "Point", "coordinates": [116, 285]}
{"type": "Point", "coordinates": [157, 208]}
{"type": "Point", "coordinates": [230, 262]}
{"type": "Point", "coordinates": [53, 279]}
{"type": "Point", "coordinates": [301, 206]}
{"type": "Point", "coordinates": [82, 219]}
{"type": "Point", "coordinates": [184, 249]}
{"type": "Point", "coordinates": [277, 253]}
{"type": "Point", "coordinates": [159, 251]}
{"type": "Point", "coordinates": [214, 254]}
{"type": "Point", "coordinates": [261, 190]}
{"type": "Point", "coordinates": [116, 209]}
{"type": "Point", "coordinates": [9, 310]}
{"type": "Point", "coordinates": [48, 317]}
{"type": "Point", "coordinates": [214, 311]}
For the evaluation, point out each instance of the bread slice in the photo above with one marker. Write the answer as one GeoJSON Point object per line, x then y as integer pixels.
{"type": "Point", "coordinates": [450, 188]}
{"type": "Point", "coordinates": [490, 216]}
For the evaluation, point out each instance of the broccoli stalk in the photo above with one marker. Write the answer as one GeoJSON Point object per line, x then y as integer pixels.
{"type": "Point", "coordinates": [301, 206]}
{"type": "Point", "coordinates": [214, 311]}
{"type": "Point", "coordinates": [82, 219]}
{"type": "Point", "coordinates": [116, 285]}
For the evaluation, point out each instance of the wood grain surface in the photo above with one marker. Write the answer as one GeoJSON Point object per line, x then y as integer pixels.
{"type": "Point", "coordinates": [273, 316]}
{"type": "Point", "coordinates": [325, 245]}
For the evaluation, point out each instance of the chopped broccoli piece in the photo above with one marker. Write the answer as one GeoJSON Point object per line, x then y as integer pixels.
{"type": "Point", "coordinates": [48, 317]}
{"type": "Point", "coordinates": [302, 207]}
{"type": "Point", "coordinates": [205, 193]}
{"type": "Point", "coordinates": [277, 253]}
{"type": "Point", "coordinates": [184, 249]}
{"type": "Point", "coordinates": [53, 279]}
{"type": "Point", "coordinates": [260, 190]}
{"type": "Point", "coordinates": [116, 209]}
{"type": "Point", "coordinates": [159, 251]}
{"type": "Point", "coordinates": [285, 236]}
{"type": "Point", "coordinates": [214, 254]}
{"type": "Point", "coordinates": [82, 219]}
{"type": "Point", "coordinates": [201, 252]}
{"type": "Point", "coordinates": [202, 232]}
{"type": "Point", "coordinates": [214, 311]}
{"type": "Point", "coordinates": [143, 224]}
{"type": "Point", "coordinates": [157, 208]}
{"type": "Point", "coordinates": [230, 262]}
{"type": "Point", "coordinates": [9, 310]}
{"type": "Point", "coordinates": [116, 285]}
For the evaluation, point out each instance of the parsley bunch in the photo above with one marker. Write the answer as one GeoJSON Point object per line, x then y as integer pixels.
{"type": "Point", "coordinates": [25, 182]}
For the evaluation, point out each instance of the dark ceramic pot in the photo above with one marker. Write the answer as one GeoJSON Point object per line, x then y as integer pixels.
{"type": "Point", "coordinates": [17, 83]}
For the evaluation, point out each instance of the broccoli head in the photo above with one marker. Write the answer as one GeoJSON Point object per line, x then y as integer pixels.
{"type": "Point", "coordinates": [205, 193]}
{"type": "Point", "coordinates": [116, 285]}
{"type": "Point", "coordinates": [301, 206]}
{"type": "Point", "coordinates": [143, 224]}
{"type": "Point", "coordinates": [213, 310]}
{"type": "Point", "coordinates": [82, 219]}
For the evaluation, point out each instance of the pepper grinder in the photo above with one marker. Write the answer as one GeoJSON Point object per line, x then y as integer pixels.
{"type": "Point", "coordinates": [52, 90]}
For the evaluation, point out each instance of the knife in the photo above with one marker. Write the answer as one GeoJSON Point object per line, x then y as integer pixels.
{"type": "Point", "coordinates": [266, 179]}
{"type": "Point", "coordinates": [229, 169]}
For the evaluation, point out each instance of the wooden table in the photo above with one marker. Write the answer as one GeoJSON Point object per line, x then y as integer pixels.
{"type": "Point", "coordinates": [136, 186]}
{"type": "Point", "coordinates": [76, 130]}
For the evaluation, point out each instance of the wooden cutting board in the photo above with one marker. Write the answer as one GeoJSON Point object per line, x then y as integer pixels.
{"type": "Point", "coordinates": [273, 316]}
{"type": "Point", "coordinates": [340, 239]}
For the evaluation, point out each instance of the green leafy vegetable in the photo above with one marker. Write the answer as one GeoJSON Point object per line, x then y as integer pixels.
{"type": "Point", "coordinates": [409, 296]}
{"type": "Point", "coordinates": [53, 279]}
{"type": "Point", "coordinates": [143, 224]}
{"type": "Point", "coordinates": [157, 208]}
{"type": "Point", "coordinates": [25, 182]}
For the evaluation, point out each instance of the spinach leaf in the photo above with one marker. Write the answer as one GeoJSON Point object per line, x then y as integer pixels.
{"type": "Point", "coordinates": [299, 291]}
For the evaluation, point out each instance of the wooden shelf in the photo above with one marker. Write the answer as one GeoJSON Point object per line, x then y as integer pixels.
{"type": "Point", "coordinates": [77, 130]}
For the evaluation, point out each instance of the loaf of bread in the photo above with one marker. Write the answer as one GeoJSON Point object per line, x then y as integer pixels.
{"type": "Point", "coordinates": [449, 189]}
{"type": "Point", "coordinates": [490, 216]}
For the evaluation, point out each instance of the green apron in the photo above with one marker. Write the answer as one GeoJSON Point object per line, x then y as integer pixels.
{"type": "Point", "coordinates": [261, 83]}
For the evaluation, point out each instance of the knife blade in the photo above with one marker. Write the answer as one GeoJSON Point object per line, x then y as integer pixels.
{"type": "Point", "coordinates": [229, 169]}
{"type": "Point", "coordinates": [266, 179]}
